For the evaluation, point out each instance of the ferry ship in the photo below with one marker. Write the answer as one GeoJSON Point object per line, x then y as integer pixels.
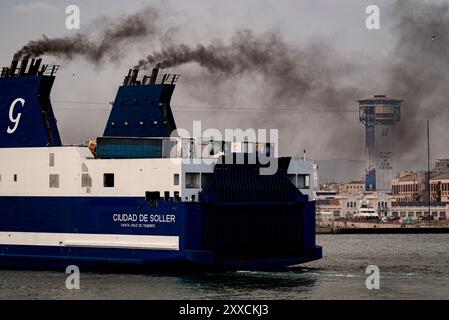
{"type": "Point", "coordinates": [130, 197]}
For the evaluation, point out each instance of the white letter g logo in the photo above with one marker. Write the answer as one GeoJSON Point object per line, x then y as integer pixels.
{"type": "Point", "coordinates": [15, 120]}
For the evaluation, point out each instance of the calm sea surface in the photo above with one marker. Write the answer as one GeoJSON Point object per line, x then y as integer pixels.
{"type": "Point", "coordinates": [411, 266]}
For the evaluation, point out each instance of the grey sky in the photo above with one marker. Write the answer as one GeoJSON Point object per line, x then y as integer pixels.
{"type": "Point", "coordinates": [340, 23]}
{"type": "Point", "coordinates": [298, 20]}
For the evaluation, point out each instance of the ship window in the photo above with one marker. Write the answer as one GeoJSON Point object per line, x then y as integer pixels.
{"type": "Point", "coordinates": [177, 197]}
{"type": "Point", "coordinates": [167, 196]}
{"type": "Point", "coordinates": [52, 159]}
{"type": "Point", "coordinates": [192, 180]}
{"type": "Point", "coordinates": [303, 181]}
{"type": "Point", "coordinates": [15, 178]}
{"type": "Point", "coordinates": [86, 181]}
{"type": "Point", "coordinates": [176, 180]}
{"type": "Point", "coordinates": [54, 181]}
{"type": "Point", "coordinates": [109, 180]}
{"type": "Point", "coordinates": [153, 198]}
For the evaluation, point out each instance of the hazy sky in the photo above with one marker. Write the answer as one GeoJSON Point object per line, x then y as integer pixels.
{"type": "Point", "coordinates": [341, 24]}
{"type": "Point", "coordinates": [343, 21]}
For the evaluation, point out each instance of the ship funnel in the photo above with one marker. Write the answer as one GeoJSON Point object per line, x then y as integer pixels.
{"type": "Point", "coordinates": [41, 129]}
{"type": "Point", "coordinates": [23, 67]}
{"type": "Point", "coordinates": [135, 74]}
{"type": "Point", "coordinates": [12, 69]}
{"type": "Point", "coordinates": [30, 69]}
{"type": "Point", "coordinates": [154, 75]}
{"type": "Point", "coordinates": [37, 66]}
{"type": "Point", "coordinates": [128, 78]}
{"type": "Point", "coordinates": [34, 67]}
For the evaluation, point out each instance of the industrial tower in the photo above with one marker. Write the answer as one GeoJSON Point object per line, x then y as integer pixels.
{"type": "Point", "coordinates": [380, 115]}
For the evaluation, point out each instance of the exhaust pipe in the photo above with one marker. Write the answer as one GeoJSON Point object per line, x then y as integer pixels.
{"type": "Point", "coordinates": [128, 78]}
{"type": "Point", "coordinates": [34, 67]}
{"type": "Point", "coordinates": [37, 66]}
{"type": "Point", "coordinates": [12, 69]}
{"type": "Point", "coordinates": [23, 67]}
{"type": "Point", "coordinates": [4, 72]}
{"type": "Point", "coordinates": [134, 76]}
{"type": "Point", "coordinates": [30, 69]}
{"type": "Point", "coordinates": [154, 75]}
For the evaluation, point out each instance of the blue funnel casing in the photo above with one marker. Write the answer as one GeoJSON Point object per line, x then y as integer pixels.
{"type": "Point", "coordinates": [142, 107]}
{"type": "Point", "coordinates": [26, 114]}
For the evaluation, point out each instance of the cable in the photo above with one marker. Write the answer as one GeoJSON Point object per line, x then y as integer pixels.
{"type": "Point", "coordinates": [210, 108]}
{"type": "Point", "coordinates": [81, 102]}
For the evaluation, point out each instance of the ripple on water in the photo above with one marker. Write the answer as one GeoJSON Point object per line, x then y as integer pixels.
{"type": "Point", "coordinates": [411, 266]}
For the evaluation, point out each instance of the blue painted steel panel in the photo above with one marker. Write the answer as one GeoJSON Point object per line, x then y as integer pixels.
{"type": "Point", "coordinates": [142, 111]}
{"type": "Point", "coordinates": [95, 215]}
{"type": "Point", "coordinates": [37, 125]}
{"type": "Point", "coordinates": [86, 215]}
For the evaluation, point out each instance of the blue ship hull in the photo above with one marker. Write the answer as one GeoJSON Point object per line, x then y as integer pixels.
{"type": "Point", "coordinates": [96, 215]}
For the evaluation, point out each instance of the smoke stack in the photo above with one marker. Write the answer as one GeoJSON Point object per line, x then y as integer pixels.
{"type": "Point", "coordinates": [30, 69]}
{"type": "Point", "coordinates": [12, 69]}
{"type": "Point", "coordinates": [135, 74]}
{"type": "Point", "coordinates": [23, 67]}
{"type": "Point", "coordinates": [154, 75]}
{"type": "Point", "coordinates": [37, 65]}
{"type": "Point", "coordinates": [34, 67]}
{"type": "Point", "coordinates": [128, 78]}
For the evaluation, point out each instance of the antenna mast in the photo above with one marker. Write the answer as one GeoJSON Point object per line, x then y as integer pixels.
{"type": "Point", "coordinates": [428, 169]}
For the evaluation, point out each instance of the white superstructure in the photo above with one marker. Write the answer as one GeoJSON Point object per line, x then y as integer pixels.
{"type": "Point", "coordinates": [75, 171]}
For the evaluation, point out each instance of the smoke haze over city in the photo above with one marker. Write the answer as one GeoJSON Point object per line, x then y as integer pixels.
{"type": "Point", "coordinates": [301, 76]}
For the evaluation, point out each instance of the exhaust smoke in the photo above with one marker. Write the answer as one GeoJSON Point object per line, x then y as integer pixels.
{"type": "Point", "coordinates": [132, 27]}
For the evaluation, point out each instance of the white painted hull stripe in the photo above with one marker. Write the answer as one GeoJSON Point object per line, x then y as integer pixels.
{"type": "Point", "coordinates": [89, 240]}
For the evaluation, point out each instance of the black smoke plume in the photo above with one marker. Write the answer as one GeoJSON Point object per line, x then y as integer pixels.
{"type": "Point", "coordinates": [310, 75]}
{"type": "Point", "coordinates": [293, 73]}
{"type": "Point", "coordinates": [131, 27]}
{"type": "Point", "coordinates": [419, 69]}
